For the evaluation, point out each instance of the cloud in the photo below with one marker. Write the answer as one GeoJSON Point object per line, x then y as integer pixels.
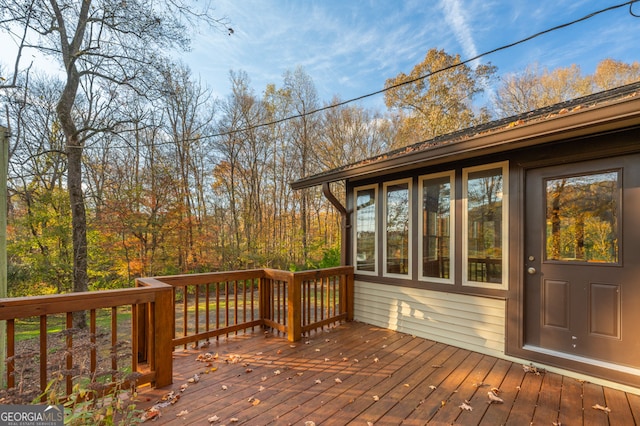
{"type": "Point", "coordinates": [455, 16]}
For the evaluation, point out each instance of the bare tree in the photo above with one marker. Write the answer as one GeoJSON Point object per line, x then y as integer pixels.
{"type": "Point", "coordinates": [97, 43]}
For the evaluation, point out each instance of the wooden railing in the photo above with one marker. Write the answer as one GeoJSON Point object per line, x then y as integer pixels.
{"type": "Point", "coordinates": [167, 312]}
{"type": "Point", "coordinates": [213, 304]}
{"type": "Point", "coordinates": [31, 363]}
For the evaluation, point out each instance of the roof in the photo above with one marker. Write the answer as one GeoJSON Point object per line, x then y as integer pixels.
{"type": "Point", "coordinates": [597, 113]}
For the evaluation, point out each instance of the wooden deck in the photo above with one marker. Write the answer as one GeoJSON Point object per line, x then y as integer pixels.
{"type": "Point", "coordinates": [360, 374]}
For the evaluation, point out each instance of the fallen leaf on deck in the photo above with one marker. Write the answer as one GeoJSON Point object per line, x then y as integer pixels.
{"type": "Point", "coordinates": [494, 398]}
{"type": "Point", "coordinates": [443, 403]}
{"type": "Point", "coordinates": [224, 387]}
{"type": "Point", "coordinates": [258, 353]}
{"type": "Point", "coordinates": [532, 369]}
{"type": "Point", "coordinates": [432, 387]}
{"type": "Point", "coordinates": [182, 413]}
{"type": "Point", "coordinates": [255, 402]}
{"type": "Point", "coordinates": [248, 370]}
{"type": "Point", "coordinates": [318, 381]}
{"type": "Point", "coordinates": [338, 381]}
{"type": "Point", "coordinates": [345, 359]}
{"type": "Point", "coordinates": [436, 365]}
{"type": "Point", "coordinates": [309, 423]}
{"type": "Point", "coordinates": [194, 379]}
{"type": "Point", "coordinates": [376, 398]}
{"type": "Point", "coordinates": [213, 419]}
{"type": "Point", "coordinates": [369, 423]}
{"type": "Point", "coordinates": [406, 385]}
{"type": "Point", "coordinates": [277, 372]}
{"type": "Point", "coordinates": [183, 387]}
{"type": "Point", "coordinates": [465, 406]}
{"type": "Point", "coordinates": [496, 391]}
{"type": "Point", "coordinates": [356, 360]}
{"type": "Point", "coordinates": [234, 420]}
{"type": "Point", "coordinates": [151, 414]}
{"type": "Point", "coordinates": [384, 346]}
{"type": "Point", "coordinates": [479, 384]}
{"type": "Point", "coordinates": [601, 408]}
{"type": "Point", "coordinates": [263, 378]}
{"type": "Point", "coordinates": [376, 360]}
{"type": "Point", "coordinates": [261, 388]}
{"type": "Point", "coordinates": [317, 350]}
{"type": "Point", "coordinates": [327, 360]}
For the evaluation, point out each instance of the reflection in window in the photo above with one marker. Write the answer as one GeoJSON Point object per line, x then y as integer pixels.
{"type": "Point", "coordinates": [436, 227]}
{"type": "Point", "coordinates": [582, 218]}
{"type": "Point", "coordinates": [397, 228]}
{"type": "Point", "coordinates": [366, 229]}
{"type": "Point", "coordinates": [484, 225]}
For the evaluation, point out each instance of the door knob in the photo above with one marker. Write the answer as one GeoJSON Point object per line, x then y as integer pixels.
{"type": "Point", "coordinates": [531, 270]}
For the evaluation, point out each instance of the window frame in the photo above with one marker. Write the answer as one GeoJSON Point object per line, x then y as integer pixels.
{"type": "Point", "coordinates": [464, 258]}
{"type": "Point", "coordinates": [355, 229]}
{"type": "Point", "coordinates": [385, 185]}
{"type": "Point", "coordinates": [451, 174]}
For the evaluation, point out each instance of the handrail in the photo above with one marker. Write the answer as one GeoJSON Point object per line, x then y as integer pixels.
{"type": "Point", "coordinates": [176, 310]}
{"type": "Point", "coordinates": [155, 298]}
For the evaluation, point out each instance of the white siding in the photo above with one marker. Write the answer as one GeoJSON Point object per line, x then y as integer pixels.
{"type": "Point", "coordinates": [470, 322]}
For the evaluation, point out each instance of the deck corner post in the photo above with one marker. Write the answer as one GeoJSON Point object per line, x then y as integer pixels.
{"type": "Point", "coordinates": [294, 307]}
{"type": "Point", "coordinates": [350, 294]}
{"type": "Point", "coordinates": [163, 332]}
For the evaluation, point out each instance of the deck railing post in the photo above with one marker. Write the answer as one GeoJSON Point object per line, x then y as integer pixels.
{"type": "Point", "coordinates": [294, 305]}
{"type": "Point", "coordinates": [163, 313]}
{"type": "Point", "coordinates": [350, 294]}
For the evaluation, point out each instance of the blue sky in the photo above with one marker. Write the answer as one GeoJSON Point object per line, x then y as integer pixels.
{"type": "Point", "coordinates": [349, 47]}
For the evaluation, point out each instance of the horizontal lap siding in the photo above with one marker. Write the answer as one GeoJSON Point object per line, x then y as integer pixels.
{"type": "Point", "coordinates": [469, 322]}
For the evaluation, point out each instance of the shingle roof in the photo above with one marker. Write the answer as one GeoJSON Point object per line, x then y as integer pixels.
{"type": "Point", "coordinates": [506, 126]}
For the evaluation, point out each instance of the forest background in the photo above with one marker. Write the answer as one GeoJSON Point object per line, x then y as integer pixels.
{"type": "Point", "coordinates": [176, 181]}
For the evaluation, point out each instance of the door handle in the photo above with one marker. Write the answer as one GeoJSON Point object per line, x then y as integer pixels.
{"type": "Point", "coordinates": [531, 270]}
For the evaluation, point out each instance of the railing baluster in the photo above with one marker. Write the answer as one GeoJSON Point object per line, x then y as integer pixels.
{"type": "Point", "coordinates": [185, 311]}
{"type": "Point", "coordinates": [93, 351]}
{"type": "Point", "coordinates": [134, 342]}
{"type": "Point", "coordinates": [197, 310]}
{"type": "Point", "coordinates": [217, 307]}
{"type": "Point", "coordinates": [69, 352]}
{"type": "Point", "coordinates": [43, 353]}
{"type": "Point", "coordinates": [114, 341]}
{"type": "Point", "coordinates": [11, 353]}
{"type": "Point", "coordinates": [208, 307]}
{"type": "Point", "coordinates": [226, 300]}
{"type": "Point", "coordinates": [235, 304]}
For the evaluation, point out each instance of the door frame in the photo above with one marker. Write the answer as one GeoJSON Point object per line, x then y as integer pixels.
{"type": "Point", "coordinates": [574, 151]}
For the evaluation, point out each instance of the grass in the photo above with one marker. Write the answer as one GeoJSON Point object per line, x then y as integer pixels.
{"type": "Point", "coordinates": [29, 328]}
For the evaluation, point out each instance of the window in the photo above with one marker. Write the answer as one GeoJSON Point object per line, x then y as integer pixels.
{"type": "Point", "coordinates": [484, 225]}
{"type": "Point", "coordinates": [397, 241]}
{"type": "Point", "coordinates": [582, 218]}
{"type": "Point", "coordinates": [365, 247]}
{"type": "Point", "coordinates": [437, 218]}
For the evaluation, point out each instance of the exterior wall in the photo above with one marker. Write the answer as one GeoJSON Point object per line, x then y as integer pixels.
{"type": "Point", "coordinates": [475, 323]}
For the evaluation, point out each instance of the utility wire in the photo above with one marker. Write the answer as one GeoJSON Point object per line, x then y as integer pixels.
{"type": "Point", "coordinates": [422, 77]}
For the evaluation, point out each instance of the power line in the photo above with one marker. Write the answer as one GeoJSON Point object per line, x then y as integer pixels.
{"type": "Point", "coordinates": [422, 77]}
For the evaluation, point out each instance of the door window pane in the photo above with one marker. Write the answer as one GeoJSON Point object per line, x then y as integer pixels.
{"type": "Point", "coordinates": [484, 225]}
{"type": "Point", "coordinates": [436, 227]}
{"type": "Point", "coordinates": [397, 228]}
{"type": "Point", "coordinates": [582, 218]}
{"type": "Point", "coordinates": [366, 229]}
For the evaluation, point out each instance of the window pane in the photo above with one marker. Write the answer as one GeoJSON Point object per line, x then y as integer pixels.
{"type": "Point", "coordinates": [484, 215]}
{"type": "Point", "coordinates": [582, 218]}
{"type": "Point", "coordinates": [366, 230]}
{"type": "Point", "coordinates": [436, 227]}
{"type": "Point", "coordinates": [398, 228]}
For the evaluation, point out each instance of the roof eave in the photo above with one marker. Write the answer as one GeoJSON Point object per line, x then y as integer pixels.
{"type": "Point", "coordinates": [585, 121]}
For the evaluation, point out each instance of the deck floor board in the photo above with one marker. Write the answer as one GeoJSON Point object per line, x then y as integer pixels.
{"type": "Point", "coordinates": [270, 381]}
